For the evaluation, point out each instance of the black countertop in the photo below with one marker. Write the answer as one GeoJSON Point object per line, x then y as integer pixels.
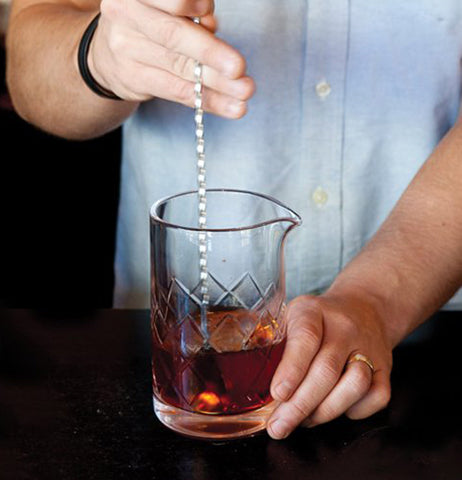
{"type": "Point", "coordinates": [75, 403]}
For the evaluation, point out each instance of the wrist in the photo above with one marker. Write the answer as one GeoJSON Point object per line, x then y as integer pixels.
{"type": "Point", "coordinates": [87, 69]}
{"type": "Point", "coordinates": [376, 301]}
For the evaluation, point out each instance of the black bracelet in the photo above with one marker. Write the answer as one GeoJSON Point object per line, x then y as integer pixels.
{"type": "Point", "coordinates": [84, 46]}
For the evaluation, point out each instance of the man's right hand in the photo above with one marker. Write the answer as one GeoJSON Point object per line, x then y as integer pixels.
{"type": "Point", "coordinates": [147, 48]}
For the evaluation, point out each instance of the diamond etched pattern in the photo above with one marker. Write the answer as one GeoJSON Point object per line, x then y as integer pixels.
{"type": "Point", "coordinates": [171, 307]}
{"type": "Point", "coordinates": [228, 368]}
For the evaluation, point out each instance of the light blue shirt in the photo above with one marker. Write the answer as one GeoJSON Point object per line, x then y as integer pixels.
{"type": "Point", "coordinates": [352, 97]}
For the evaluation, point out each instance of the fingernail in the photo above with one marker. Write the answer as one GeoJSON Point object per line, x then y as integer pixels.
{"type": "Point", "coordinates": [235, 108]}
{"type": "Point", "coordinates": [278, 429]}
{"type": "Point", "coordinates": [283, 391]}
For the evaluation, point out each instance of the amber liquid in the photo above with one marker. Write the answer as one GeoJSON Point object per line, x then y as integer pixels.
{"type": "Point", "coordinates": [232, 378]}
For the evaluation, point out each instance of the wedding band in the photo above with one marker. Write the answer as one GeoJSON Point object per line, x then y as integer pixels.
{"type": "Point", "coordinates": [358, 357]}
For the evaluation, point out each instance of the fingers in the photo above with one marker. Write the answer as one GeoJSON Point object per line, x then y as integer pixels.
{"type": "Point", "coordinates": [183, 67]}
{"type": "Point", "coordinates": [170, 87]}
{"type": "Point", "coordinates": [377, 397]}
{"type": "Point", "coordinates": [140, 51]}
{"type": "Point", "coordinates": [352, 386]}
{"type": "Point", "coordinates": [313, 383]}
{"type": "Point", "coordinates": [182, 36]}
{"type": "Point", "coordinates": [322, 376]}
{"type": "Point", "coordinates": [304, 334]}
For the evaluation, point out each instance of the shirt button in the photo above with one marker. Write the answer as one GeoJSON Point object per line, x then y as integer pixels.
{"type": "Point", "coordinates": [323, 89]}
{"type": "Point", "coordinates": [320, 197]}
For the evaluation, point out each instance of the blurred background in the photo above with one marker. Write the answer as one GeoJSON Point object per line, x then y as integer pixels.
{"type": "Point", "coordinates": [58, 207]}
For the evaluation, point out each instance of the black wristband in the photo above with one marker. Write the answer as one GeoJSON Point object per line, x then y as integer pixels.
{"type": "Point", "coordinates": [84, 46]}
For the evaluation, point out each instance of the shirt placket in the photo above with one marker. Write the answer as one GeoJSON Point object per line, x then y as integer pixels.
{"type": "Point", "coordinates": [322, 129]}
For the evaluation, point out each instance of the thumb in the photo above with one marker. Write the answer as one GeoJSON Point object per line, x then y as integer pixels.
{"type": "Point", "coordinates": [210, 22]}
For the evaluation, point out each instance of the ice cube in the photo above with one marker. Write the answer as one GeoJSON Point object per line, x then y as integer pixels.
{"type": "Point", "coordinates": [230, 330]}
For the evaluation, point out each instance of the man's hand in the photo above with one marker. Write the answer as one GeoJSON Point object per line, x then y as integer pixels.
{"type": "Point", "coordinates": [147, 48]}
{"type": "Point", "coordinates": [313, 381]}
{"type": "Point", "coordinates": [409, 269]}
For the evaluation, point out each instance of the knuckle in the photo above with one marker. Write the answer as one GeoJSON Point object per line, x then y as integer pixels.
{"type": "Point", "coordinates": [237, 66]}
{"type": "Point", "coordinates": [209, 52]}
{"type": "Point", "coordinates": [359, 381]}
{"type": "Point", "coordinates": [301, 409]}
{"type": "Point", "coordinates": [307, 336]}
{"type": "Point", "coordinates": [304, 307]}
{"type": "Point", "coordinates": [170, 33]}
{"type": "Point", "coordinates": [182, 91]}
{"type": "Point", "coordinates": [326, 412]}
{"type": "Point", "coordinates": [213, 102]}
{"type": "Point", "coordinates": [331, 366]}
{"type": "Point", "coordinates": [302, 301]}
{"type": "Point", "coordinates": [348, 327]}
{"type": "Point", "coordinates": [182, 65]}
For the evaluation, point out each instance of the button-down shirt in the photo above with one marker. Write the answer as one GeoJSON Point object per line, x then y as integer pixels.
{"type": "Point", "coordinates": [352, 97]}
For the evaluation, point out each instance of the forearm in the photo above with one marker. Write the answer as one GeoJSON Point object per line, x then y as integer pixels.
{"type": "Point", "coordinates": [338, 353]}
{"type": "Point", "coordinates": [413, 264]}
{"type": "Point", "coordinates": [43, 78]}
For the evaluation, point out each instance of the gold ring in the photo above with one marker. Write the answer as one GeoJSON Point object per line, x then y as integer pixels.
{"type": "Point", "coordinates": [358, 357]}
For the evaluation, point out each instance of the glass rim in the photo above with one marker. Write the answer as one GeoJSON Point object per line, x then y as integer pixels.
{"type": "Point", "coordinates": [295, 219]}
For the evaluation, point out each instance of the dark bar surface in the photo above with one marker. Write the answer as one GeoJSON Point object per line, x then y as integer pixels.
{"type": "Point", "coordinates": [75, 403]}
